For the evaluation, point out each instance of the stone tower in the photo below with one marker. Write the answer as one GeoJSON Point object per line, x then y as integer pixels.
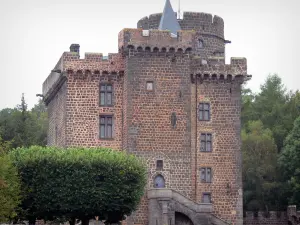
{"type": "Point", "coordinates": [167, 96]}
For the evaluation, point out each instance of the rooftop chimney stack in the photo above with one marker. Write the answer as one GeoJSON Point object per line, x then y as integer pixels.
{"type": "Point", "coordinates": [75, 48]}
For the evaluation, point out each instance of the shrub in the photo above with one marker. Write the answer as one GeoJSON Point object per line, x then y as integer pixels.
{"type": "Point", "coordinates": [79, 182]}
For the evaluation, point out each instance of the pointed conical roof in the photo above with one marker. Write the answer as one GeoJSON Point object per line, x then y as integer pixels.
{"type": "Point", "coordinates": [168, 20]}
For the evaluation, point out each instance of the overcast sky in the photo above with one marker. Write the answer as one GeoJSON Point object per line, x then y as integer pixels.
{"type": "Point", "coordinates": [34, 34]}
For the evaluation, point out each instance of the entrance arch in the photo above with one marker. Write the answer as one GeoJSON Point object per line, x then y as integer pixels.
{"type": "Point", "coordinates": [181, 219]}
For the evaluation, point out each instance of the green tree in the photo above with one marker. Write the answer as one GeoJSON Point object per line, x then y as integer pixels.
{"type": "Point", "coordinates": [290, 162]}
{"type": "Point", "coordinates": [79, 183]}
{"type": "Point", "coordinates": [4, 146]}
{"type": "Point", "coordinates": [269, 107]}
{"type": "Point", "coordinates": [9, 189]}
{"type": "Point", "coordinates": [22, 127]}
{"type": "Point", "coordinates": [259, 167]}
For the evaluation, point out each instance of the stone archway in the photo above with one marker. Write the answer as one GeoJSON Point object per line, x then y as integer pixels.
{"type": "Point", "coordinates": [181, 219]}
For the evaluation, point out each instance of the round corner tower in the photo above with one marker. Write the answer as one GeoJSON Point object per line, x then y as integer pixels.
{"type": "Point", "coordinates": [209, 40]}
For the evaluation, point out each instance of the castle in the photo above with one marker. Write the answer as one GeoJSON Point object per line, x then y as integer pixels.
{"type": "Point", "coordinates": [167, 96]}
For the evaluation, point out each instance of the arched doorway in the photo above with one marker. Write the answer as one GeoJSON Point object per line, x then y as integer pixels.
{"type": "Point", "coordinates": [159, 181]}
{"type": "Point", "coordinates": [181, 219]}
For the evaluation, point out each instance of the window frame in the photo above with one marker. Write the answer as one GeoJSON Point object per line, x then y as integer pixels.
{"type": "Point", "coordinates": [205, 180]}
{"type": "Point", "coordinates": [206, 141]}
{"type": "Point", "coordinates": [200, 46]}
{"type": "Point", "coordinates": [106, 125]}
{"type": "Point", "coordinates": [206, 193]}
{"type": "Point", "coordinates": [152, 82]}
{"type": "Point", "coordinates": [106, 92]}
{"type": "Point", "coordinates": [159, 164]}
{"type": "Point", "coordinates": [202, 110]}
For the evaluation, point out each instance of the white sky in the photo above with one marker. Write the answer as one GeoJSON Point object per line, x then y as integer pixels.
{"type": "Point", "coordinates": [34, 34]}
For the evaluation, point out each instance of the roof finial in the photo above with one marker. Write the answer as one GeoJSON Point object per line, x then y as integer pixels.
{"type": "Point", "coordinates": [168, 20]}
{"type": "Point", "coordinates": [178, 9]}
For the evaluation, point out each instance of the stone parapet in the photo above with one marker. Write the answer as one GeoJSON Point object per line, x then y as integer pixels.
{"type": "Point", "coordinates": [164, 193]}
{"type": "Point", "coordinates": [198, 21]}
{"type": "Point", "coordinates": [155, 40]}
{"type": "Point", "coordinates": [93, 63]}
{"type": "Point", "coordinates": [214, 68]}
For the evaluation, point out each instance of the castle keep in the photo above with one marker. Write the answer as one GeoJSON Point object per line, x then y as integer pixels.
{"type": "Point", "coordinates": [167, 96]}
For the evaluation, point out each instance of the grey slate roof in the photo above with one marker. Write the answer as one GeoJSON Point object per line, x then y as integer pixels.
{"type": "Point", "coordinates": [168, 20]}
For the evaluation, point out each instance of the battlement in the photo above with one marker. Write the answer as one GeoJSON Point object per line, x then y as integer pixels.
{"type": "Point", "coordinates": [272, 215]}
{"type": "Point", "coordinates": [93, 63]}
{"type": "Point", "coordinates": [214, 68]}
{"type": "Point", "coordinates": [155, 41]}
{"type": "Point", "coordinates": [198, 21]}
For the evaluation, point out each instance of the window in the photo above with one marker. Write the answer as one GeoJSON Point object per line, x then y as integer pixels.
{"type": "Point", "coordinates": [206, 198]}
{"type": "Point", "coordinates": [204, 111]}
{"type": "Point", "coordinates": [159, 181]}
{"type": "Point", "coordinates": [200, 43]}
{"type": "Point", "coordinates": [205, 143]}
{"type": "Point", "coordinates": [149, 86]}
{"type": "Point", "coordinates": [159, 164]}
{"type": "Point", "coordinates": [106, 126]}
{"type": "Point", "coordinates": [106, 93]}
{"type": "Point", "coordinates": [205, 175]}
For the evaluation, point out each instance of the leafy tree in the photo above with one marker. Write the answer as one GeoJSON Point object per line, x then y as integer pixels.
{"type": "Point", "coordinates": [248, 112]}
{"type": "Point", "coordinates": [9, 189]}
{"type": "Point", "coordinates": [259, 166]}
{"type": "Point", "coordinates": [79, 183]}
{"type": "Point", "coordinates": [290, 162]}
{"type": "Point", "coordinates": [22, 127]}
{"type": "Point", "coordinates": [269, 107]}
{"type": "Point", "coordinates": [4, 146]}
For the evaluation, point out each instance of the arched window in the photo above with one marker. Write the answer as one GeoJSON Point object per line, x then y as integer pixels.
{"type": "Point", "coordinates": [159, 181]}
{"type": "Point", "coordinates": [200, 43]}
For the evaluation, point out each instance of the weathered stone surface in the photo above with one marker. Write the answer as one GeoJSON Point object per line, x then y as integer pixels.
{"type": "Point", "coordinates": [183, 76]}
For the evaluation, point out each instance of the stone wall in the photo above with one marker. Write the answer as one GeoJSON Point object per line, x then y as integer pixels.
{"type": "Point", "coordinates": [274, 218]}
{"type": "Point", "coordinates": [150, 134]}
{"type": "Point", "coordinates": [225, 158]}
{"type": "Point", "coordinates": [83, 110]}
{"type": "Point", "coordinates": [57, 117]}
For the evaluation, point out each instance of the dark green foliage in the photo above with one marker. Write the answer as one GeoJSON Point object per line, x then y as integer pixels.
{"type": "Point", "coordinates": [259, 166]}
{"type": "Point", "coordinates": [9, 189]}
{"type": "Point", "coordinates": [290, 162]}
{"type": "Point", "coordinates": [79, 182]}
{"type": "Point", "coordinates": [21, 127]}
{"type": "Point", "coordinates": [276, 108]}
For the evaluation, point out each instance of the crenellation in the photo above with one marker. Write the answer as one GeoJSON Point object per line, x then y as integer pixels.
{"type": "Point", "coordinates": [156, 41]}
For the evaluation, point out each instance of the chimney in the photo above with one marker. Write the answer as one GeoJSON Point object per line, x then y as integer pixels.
{"type": "Point", "coordinates": [75, 48]}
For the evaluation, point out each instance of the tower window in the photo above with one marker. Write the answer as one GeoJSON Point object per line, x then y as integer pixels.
{"type": "Point", "coordinates": [159, 181]}
{"type": "Point", "coordinates": [149, 86]}
{"type": "Point", "coordinates": [205, 175]}
{"type": "Point", "coordinates": [200, 43]}
{"type": "Point", "coordinates": [106, 126]}
{"type": "Point", "coordinates": [206, 198]}
{"type": "Point", "coordinates": [204, 111]}
{"type": "Point", "coordinates": [106, 93]}
{"type": "Point", "coordinates": [206, 143]}
{"type": "Point", "coordinates": [159, 164]}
